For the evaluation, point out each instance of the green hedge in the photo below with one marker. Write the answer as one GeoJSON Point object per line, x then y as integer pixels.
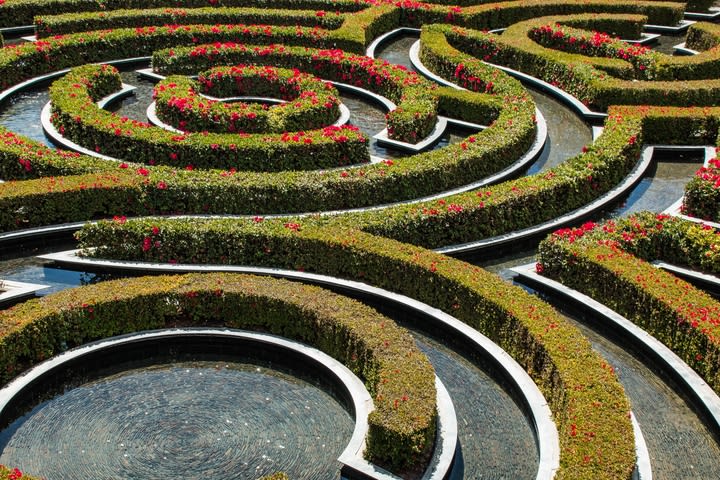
{"type": "Point", "coordinates": [27, 60]}
{"type": "Point", "coordinates": [581, 389]}
{"type": "Point", "coordinates": [310, 102]}
{"type": "Point", "coordinates": [50, 25]}
{"type": "Point", "coordinates": [702, 193]}
{"type": "Point", "coordinates": [75, 115]}
{"type": "Point", "coordinates": [397, 374]}
{"type": "Point", "coordinates": [489, 16]}
{"type": "Point", "coordinates": [610, 264]}
{"type": "Point", "coordinates": [22, 12]}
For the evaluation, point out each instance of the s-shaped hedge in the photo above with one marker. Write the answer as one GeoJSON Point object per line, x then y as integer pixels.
{"type": "Point", "coordinates": [397, 374]}
{"type": "Point", "coordinates": [581, 75]}
{"type": "Point", "coordinates": [586, 399]}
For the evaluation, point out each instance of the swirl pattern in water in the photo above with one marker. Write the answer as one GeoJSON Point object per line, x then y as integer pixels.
{"type": "Point", "coordinates": [184, 420]}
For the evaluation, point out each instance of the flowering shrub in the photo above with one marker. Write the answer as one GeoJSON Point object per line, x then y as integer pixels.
{"type": "Point", "coordinates": [311, 103]}
{"type": "Point", "coordinates": [596, 81]}
{"type": "Point", "coordinates": [397, 374]}
{"type": "Point", "coordinates": [22, 12]}
{"type": "Point", "coordinates": [14, 474]}
{"type": "Point", "coordinates": [596, 44]}
{"type": "Point", "coordinates": [702, 193]}
{"type": "Point", "coordinates": [76, 116]}
{"type": "Point", "coordinates": [610, 264]}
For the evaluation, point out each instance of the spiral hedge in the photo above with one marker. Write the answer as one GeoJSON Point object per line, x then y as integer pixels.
{"type": "Point", "coordinates": [551, 39]}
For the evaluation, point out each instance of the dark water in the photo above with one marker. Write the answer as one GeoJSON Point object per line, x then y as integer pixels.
{"type": "Point", "coordinates": [187, 420]}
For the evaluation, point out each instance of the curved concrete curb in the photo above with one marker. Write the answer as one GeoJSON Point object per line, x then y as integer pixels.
{"type": "Point", "coordinates": [689, 382]}
{"type": "Point", "coordinates": [532, 400]}
{"type": "Point", "coordinates": [13, 292]}
{"type": "Point", "coordinates": [361, 401]}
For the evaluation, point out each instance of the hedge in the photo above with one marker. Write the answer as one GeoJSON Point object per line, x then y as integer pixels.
{"type": "Point", "coordinates": [22, 12]}
{"type": "Point", "coordinates": [76, 116]}
{"type": "Point", "coordinates": [50, 25]}
{"type": "Point", "coordinates": [603, 263]}
{"type": "Point", "coordinates": [702, 193]}
{"type": "Point", "coordinates": [489, 16]}
{"type": "Point", "coordinates": [7, 473]}
{"type": "Point", "coordinates": [587, 401]}
{"type": "Point", "coordinates": [580, 76]}
{"type": "Point", "coordinates": [161, 189]}
{"type": "Point", "coordinates": [310, 102]}
{"type": "Point", "coordinates": [27, 60]}
{"type": "Point", "coordinates": [397, 374]}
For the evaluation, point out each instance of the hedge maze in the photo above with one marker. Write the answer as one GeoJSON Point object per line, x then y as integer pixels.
{"type": "Point", "coordinates": [288, 188]}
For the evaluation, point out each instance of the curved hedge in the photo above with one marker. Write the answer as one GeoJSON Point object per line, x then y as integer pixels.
{"type": "Point", "coordinates": [396, 373]}
{"type": "Point", "coordinates": [581, 75]}
{"type": "Point", "coordinates": [412, 120]}
{"type": "Point", "coordinates": [610, 264]}
{"type": "Point", "coordinates": [581, 389]}
{"type": "Point", "coordinates": [22, 12]}
{"type": "Point", "coordinates": [76, 116]}
{"type": "Point", "coordinates": [159, 189]}
{"type": "Point", "coordinates": [309, 104]}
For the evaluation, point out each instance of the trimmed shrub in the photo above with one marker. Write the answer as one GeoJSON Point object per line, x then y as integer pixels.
{"type": "Point", "coordinates": [702, 193]}
{"type": "Point", "coordinates": [77, 117]}
{"type": "Point", "coordinates": [22, 12]}
{"type": "Point", "coordinates": [590, 78]}
{"type": "Point", "coordinates": [416, 112]}
{"type": "Point", "coordinates": [309, 104]}
{"type": "Point", "coordinates": [397, 374]}
{"type": "Point", "coordinates": [63, 24]}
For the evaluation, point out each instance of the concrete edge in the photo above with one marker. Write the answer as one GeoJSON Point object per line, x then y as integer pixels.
{"type": "Point", "coordinates": [15, 291]}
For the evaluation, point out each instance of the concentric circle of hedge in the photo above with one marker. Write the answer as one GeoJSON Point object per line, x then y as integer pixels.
{"type": "Point", "coordinates": [572, 377]}
{"type": "Point", "coordinates": [309, 102]}
{"type": "Point", "coordinates": [76, 116]}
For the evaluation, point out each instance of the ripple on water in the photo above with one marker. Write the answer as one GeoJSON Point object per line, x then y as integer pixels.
{"type": "Point", "coordinates": [187, 420]}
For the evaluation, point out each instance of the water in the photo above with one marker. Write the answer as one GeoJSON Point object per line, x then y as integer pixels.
{"type": "Point", "coordinates": [494, 436]}
{"type": "Point", "coordinates": [22, 114]}
{"type": "Point", "coordinates": [183, 420]}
